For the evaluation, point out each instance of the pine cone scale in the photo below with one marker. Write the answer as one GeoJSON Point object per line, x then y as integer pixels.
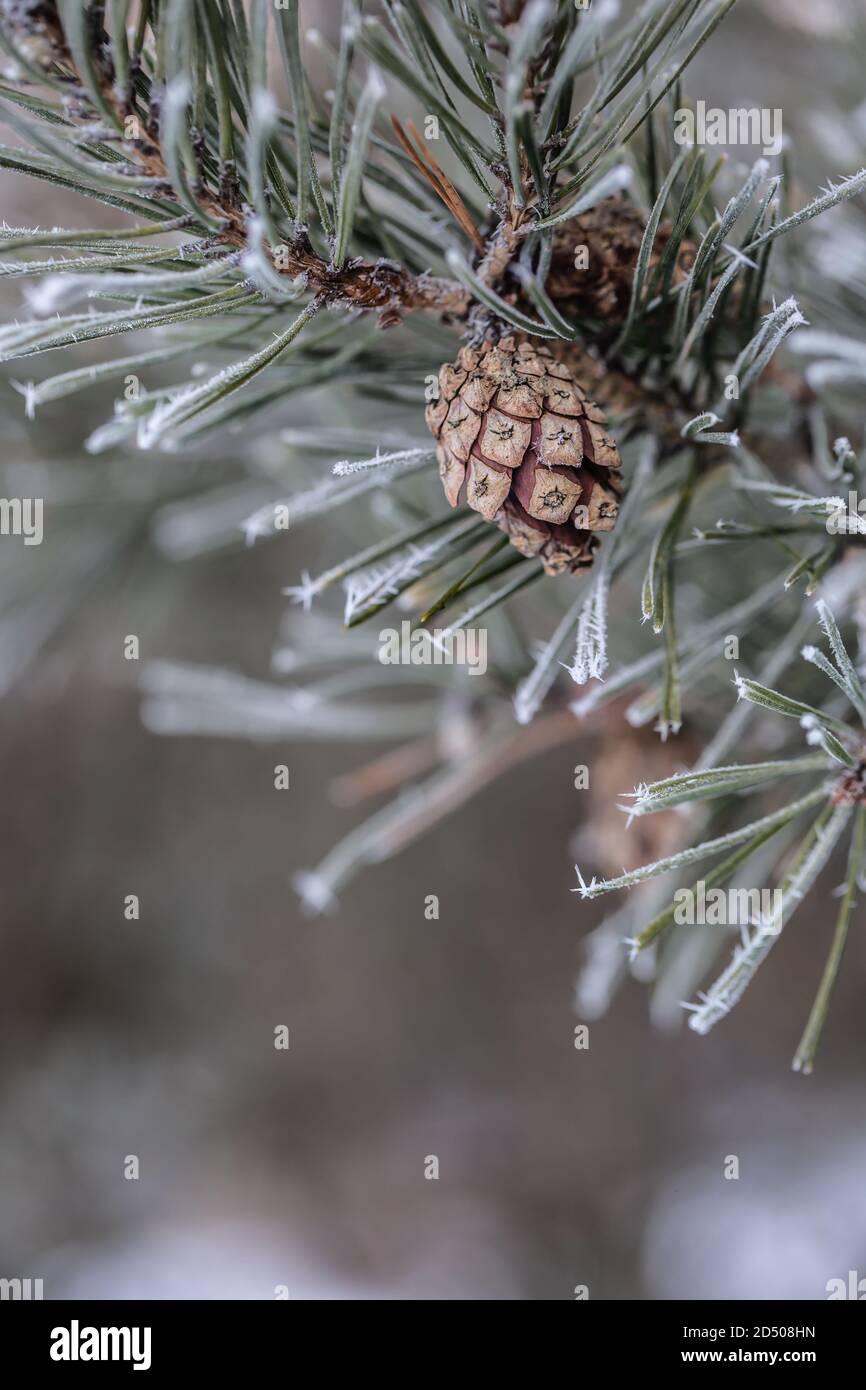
{"type": "Point", "coordinates": [503, 439]}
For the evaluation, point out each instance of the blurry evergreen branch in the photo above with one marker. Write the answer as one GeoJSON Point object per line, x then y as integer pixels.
{"type": "Point", "coordinates": [303, 242]}
{"type": "Point", "coordinates": [835, 801]}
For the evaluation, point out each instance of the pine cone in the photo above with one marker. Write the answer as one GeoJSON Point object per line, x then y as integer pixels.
{"type": "Point", "coordinates": [37, 31]}
{"type": "Point", "coordinates": [514, 425]}
{"type": "Point", "coordinates": [612, 233]}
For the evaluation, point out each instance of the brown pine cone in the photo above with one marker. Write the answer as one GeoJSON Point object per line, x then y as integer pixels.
{"type": "Point", "coordinates": [514, 425]}
{"type": "Point", "coordinates": [612, 233]}
{"type": "Point", "coordinates": [36, 29]}
{"type": "Point", "coordinates": [618, 749]}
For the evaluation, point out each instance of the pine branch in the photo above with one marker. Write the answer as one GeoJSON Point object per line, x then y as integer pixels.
{"type": "Point", "coordinates": [379, 285]}
{"type": "Point", "coordinates": [805, 1056]}
{"type": "Point", "coordinates": [263, 232]}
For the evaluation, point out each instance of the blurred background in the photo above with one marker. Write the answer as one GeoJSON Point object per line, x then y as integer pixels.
{"type": "Point", "coordinates": [409, 1038]}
